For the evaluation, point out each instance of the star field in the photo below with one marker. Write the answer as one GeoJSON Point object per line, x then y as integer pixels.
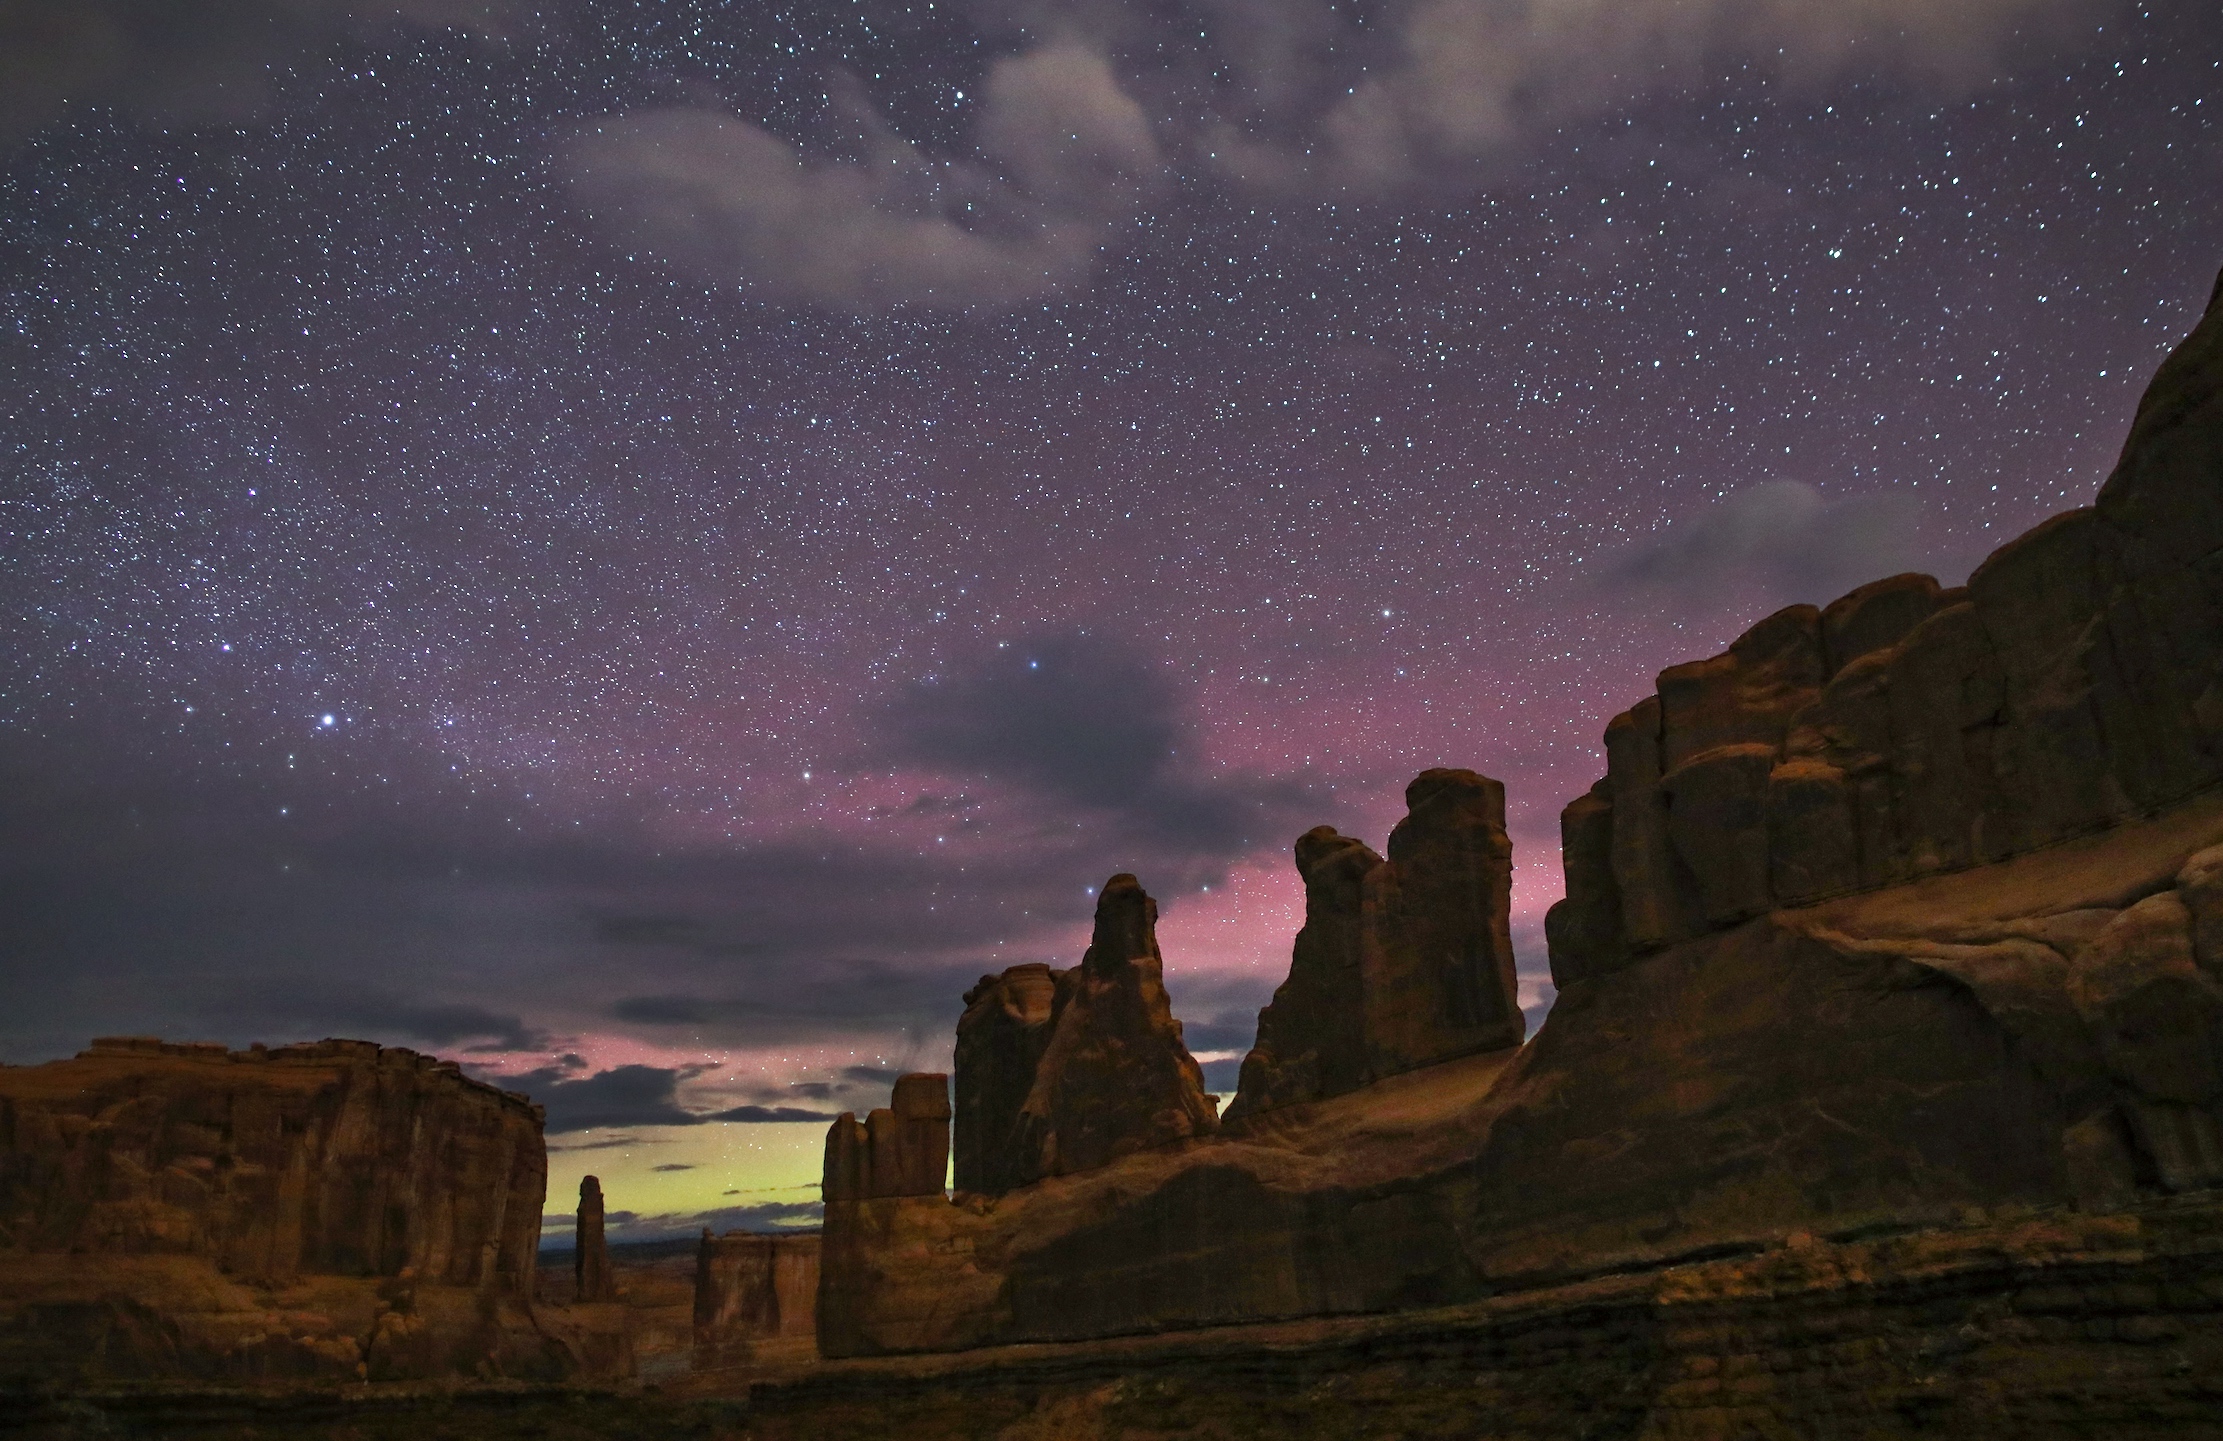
{"type": "Point", "coordinates": [675, 536]}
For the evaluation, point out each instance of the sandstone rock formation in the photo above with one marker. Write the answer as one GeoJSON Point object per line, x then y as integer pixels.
{"type": "Point", "coordinates": [1115, 1077]}
{"type": "Point", "coordinates": [756, 1298]}
{"type": "Point", "coordinates": [1000, 1041]}
{"type": "Point", "coordinates": [899, 1150]}
{"type": "Point", "coordinates": [1903, 909]}
{"type": "Point", "coordinates": [2077, 681]}
{"type": "Point", "coordinates": [1401, 963]}
{"type": "Point", "coordinates": [590, 1261]}
{"type": "Point", "coordinates": [170, 1192]}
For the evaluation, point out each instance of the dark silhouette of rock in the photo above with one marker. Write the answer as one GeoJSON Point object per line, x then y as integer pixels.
{"type": "Point", "coordinates": [1000, 1041]}
{"type": "Point", "coordinates": [901, 1149]}
{"type": "Point", "coordinates": [1401, 963]}
{"type": "Point", "coordinates": [201, 1182]}
{"type": "Point", "coordinates": [1115, 1077]}
{"type": "Point", "coordinates": [590, 1259]}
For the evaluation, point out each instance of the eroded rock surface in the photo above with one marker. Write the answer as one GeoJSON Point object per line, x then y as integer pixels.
{"type": "Point", "coordinates": [901, 1149]}
{"type": "Point", "coordinates": [590, 1261]}
{"type": "Point", "coordinates": [2075, 682]}
{"type": "Point", "coordinates": [1403, 962]}
{"type": "Point", "coordinates": [1115, 1077]}
{"type": "Point", "coordinates": [396, 1200]}
{"type": "Point", "coordinates": [1902, 910]}
{"type": "Point", "coordinates": [1000, 1041]}
{"type": "Point", "coordinates": [756, 1298]}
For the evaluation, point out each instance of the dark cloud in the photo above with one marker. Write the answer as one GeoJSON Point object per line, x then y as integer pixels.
{"type": "Point", "coordinates": [1234, 1031]}
{"type": "Point", "coordinates": [1785, 539]}
{"type": "Point", "coordinates": [757, 1114]}
{"type": "Point", "coordinates": [621, 1096]}
{"type": "Point", "coordinates": [1089, 724]}
{"type": "Point", "coordinates": [189, 63]}
{"type": "Point", "coordinates": [672, 1166]}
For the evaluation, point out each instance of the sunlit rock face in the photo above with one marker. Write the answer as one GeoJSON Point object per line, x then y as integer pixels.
{"type": "Point", "coordinates": [1403, 962]}
{"type": "Point", "coordinates": [186, 1183]}
{"type": "Point", "coordinates": [2074, 683]}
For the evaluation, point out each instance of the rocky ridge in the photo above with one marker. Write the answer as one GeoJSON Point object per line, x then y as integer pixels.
{"type": "Point", "coordinates": [1901, 907]}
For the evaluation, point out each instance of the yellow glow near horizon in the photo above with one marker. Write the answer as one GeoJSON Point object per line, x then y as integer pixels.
{"type": "Point", "coordinates": [713, 1166]}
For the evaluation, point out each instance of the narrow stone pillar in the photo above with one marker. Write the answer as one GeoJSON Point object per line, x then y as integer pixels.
{"type": "Point", "coordinates": [591, 1263]}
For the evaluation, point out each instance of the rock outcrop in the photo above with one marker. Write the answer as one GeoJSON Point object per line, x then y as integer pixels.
{"type": "Point", "coordinates": [1065, 1071]}
{"type": "Point", "coordinates": [1000, 1041]}
{"type": "Point", "coordinates": [901, 1149]}
{"type": "Point", "coordinates": [1904, 909]}
{"type": "Point", "coordinates": [2075, 682]}
{"type": "Point", "coordinates": [590, 1261]}
{"type": "Point", "coordinates": [400, 1198]}
{"type": "Point", "coordinates": [1401, 963]}
{"type": "Point", "coordinates": [756, 1298]}
{"type": "Point", "coordinates": [1115, 1077]}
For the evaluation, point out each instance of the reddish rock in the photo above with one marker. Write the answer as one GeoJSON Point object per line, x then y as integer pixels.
{"type": "Point", "coordinates": [901, 1149]}
{"type": "Point", "coordinates": [1115, 1077]}
{"type": "Point", "coordinates": [1402, 962]}
{"type": "Point", "coordinates": [1906, 730]}
{"type": "Point", "coordinates": [1000, 1041]}
{"type": "Point", "coordinates": [196, 1180]}
{"type": "Point", "coordinates": [590, 1258]}
{"type": "Point", "coordinates": [756, 1298]}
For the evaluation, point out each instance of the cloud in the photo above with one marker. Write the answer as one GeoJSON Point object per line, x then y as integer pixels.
{"type": "Point", "coordinates": [1087, 724]}
{"type": "Point", "coordinates": [192, 64]}
{"type": "Point", "coordinates": [733, 203]}
{"type": "Point", "coordinates": [1313, 97]}
{"type": "Point", "coordinates": [620, 1096]}
{"type": "Point", "coordinates": [1782, 537]}
{"type": "Point", "coordinates": [760, 1114]}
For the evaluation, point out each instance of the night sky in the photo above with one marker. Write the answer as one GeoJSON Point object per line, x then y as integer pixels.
{"type": "Point", "coordinates": [646, 546]}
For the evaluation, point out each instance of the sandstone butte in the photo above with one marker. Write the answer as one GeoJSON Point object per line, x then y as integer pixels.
{"type": "Point", "coordinates": [1906, 908]}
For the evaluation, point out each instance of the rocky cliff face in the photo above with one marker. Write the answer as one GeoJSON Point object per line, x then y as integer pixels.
{"type": "Point", "coordinates": [1904, 908]}
{"type": "Point", "coordinates": [756, 1298]}
{"type": "Point", "coordinates": [334, 1158]}
{"type": "Point", "coordinates": [1401, 963]}
{"type": "Point", "coordinates": [394, 1200]}
{"type": "Point", "coordinates": [1065, 1071]}
{"type": "Point", "coordinates": [1000, 1041]}
{"type": "Point", "coordinates": [1905, 730]}
{"type": "Point", "coordinates": [901, 1149]}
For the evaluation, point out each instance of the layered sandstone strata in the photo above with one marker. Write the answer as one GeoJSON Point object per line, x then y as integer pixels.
{"type": "Point", "coordinates": [174, 1191]}
{"type": "Point", "coordinates": [1403, 962]}
{"type": "Point", "coordinates": [901, 1149]}
{"type": "Point", "coordinates": [756, 1298]}
{"type": "Point", "coordinates": [1905, 730]}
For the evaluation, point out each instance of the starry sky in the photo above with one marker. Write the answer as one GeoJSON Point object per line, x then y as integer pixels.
{"type": "Point", "coordinates": [645, 546]}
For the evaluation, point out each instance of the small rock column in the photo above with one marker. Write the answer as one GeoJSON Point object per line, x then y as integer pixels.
{"type": "Point", "coordinates": [591, 1262]}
